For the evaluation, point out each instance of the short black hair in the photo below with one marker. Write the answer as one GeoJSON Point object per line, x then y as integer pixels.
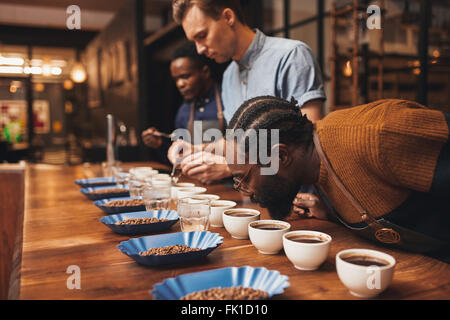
{"type": "Point", "coordinates": [188, 50]}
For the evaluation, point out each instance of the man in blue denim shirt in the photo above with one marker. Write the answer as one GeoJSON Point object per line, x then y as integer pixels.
{"type": "Point", "coordinates": [261, 66]}
{"type": "Point", "coordinates": [277, 67]}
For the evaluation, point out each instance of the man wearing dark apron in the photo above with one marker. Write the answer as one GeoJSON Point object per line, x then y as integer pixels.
{"type": "Point", "coordinates": [193, 78]}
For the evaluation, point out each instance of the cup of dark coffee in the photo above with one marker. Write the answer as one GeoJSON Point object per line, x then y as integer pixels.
{"type": "Point", "coordinates": [236, 221]}
{"type": "Point", "coordinates": [217, 208]}
{"type": "Point", "coordinates": [306, 249]}
{"type": "Point", "coordinates": [267, 235]}
{"type": "Point", "coordinates": [366, 273]}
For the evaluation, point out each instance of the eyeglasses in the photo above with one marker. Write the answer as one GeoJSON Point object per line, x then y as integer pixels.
{"type": "Point", "coordinates": [240, 185]}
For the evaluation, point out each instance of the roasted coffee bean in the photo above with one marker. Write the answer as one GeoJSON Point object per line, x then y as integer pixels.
{"type": "Point", "coordinates": [125, 203]}
{"type": "Point", "coordinates": [169, 250]}
{"type": "Point", "coordinates": [233, 293]}
{"type": "Point", "coordinates": [108, 190]}
{"type": "Point", "coordinates": [140, 221]}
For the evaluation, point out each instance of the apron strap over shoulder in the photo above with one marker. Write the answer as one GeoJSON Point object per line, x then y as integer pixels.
{"type": "Point", "coordinates": [219, 112]}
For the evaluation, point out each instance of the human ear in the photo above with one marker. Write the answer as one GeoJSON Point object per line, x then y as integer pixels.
{"type": "Point", "coordinates": [283, 152]}
{"type": "Point", "coordinates": [279, 157]}
{"type": "Point", "coordinates": [206, 71]}
{"type": "Point", "coordinates": [229, 16]}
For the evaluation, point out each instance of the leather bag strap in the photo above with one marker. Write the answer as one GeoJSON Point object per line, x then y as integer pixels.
{"type": "Point", "coordinates": [383, 234]}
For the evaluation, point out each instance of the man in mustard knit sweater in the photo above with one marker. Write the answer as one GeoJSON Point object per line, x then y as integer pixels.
{"type": "Point", "coordinates": [384, 169]}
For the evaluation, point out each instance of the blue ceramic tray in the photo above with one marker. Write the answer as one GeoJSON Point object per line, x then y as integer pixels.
{"type": "Point", "coordinates": [127, 229]}
{"type": "Point", "coordinates": [96, 182]}
{"type": "Point", "coordinates": [270, 281]}
{"type": "Point", "coordinates": [114, 210]}
{"type": "Point", "coordinates": [94, 196]}
{"type": "Point", "coordinates": [205, 240]}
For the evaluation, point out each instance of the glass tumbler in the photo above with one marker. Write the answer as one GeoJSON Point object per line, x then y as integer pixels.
{"type": "Point", "coordinates": [194, 214]}
{"type": "Point", "coordinates": [156, 197]}
{"type": "Point", "coordinates": [136, 188]}
{"type": "Point", "coordinates": [122, 177]}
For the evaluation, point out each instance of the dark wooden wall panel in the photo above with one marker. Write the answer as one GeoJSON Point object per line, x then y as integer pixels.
{"type": "Point", "coordinates": [113, 68]}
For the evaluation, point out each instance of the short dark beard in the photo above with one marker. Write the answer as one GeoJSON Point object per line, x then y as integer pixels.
{"type": "Point", "coordinates": [277, 196]}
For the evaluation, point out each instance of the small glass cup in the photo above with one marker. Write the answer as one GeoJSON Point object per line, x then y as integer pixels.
{"type": "Point", "coordinates": [194, 214]}
{"type": "Point", "coordinates": [136, 188]}
{"type": "Point", "coordinates": [122, 177]}
{"type": "Point", "coordinates": [156, 197]}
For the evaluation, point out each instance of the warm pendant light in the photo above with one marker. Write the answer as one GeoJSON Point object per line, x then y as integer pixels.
{"type": "Point", "coordinates": [347, 70]}
{"type": "Point", "coordinates": [78, 73]}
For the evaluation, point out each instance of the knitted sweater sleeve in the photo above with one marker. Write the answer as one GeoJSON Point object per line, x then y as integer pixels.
{"type": "Point", "coordinates": [410, 141]}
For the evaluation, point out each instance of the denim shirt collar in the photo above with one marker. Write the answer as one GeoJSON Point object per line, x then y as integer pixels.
{"type": "Point", "coordinates": [253, 51]}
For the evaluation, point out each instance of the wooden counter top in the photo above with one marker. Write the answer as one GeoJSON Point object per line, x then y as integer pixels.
{"type": "Point", "coordinates": [62, 228]}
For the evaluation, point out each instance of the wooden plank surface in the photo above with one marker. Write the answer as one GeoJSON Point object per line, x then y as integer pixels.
{"type": "Point", "coordinates": [62, 228]}
{"type": "Point", "coordinates": [12, 181]}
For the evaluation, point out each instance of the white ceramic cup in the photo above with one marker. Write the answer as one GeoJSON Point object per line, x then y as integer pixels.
{"type": "Point", "coordinates": [237, 226]}
{"type": "Point", "coordinates": [141, 170]}
{"type": "Point", "coordinates": [217, 208]}
{"type": "Point", "coordinates": [208, 196]}
{"type": "Point", "coordinates": [189, 191]}
{"type": "Point", "coordinates": [180, 185]}
{"type": "Point", "coordinates": [306, 256]}
{"type": "Point", "coordinates": [268, 241]}
{"type": "Point", "coordinates": [162, 175]}
{"type": "Point", "coordinates": [365, 281]}
{"type": "Point", "coordinates": [157, 177]}
{"type": "Point", "coordinates": [143, 173]}
{"type": "Point", "coordinates": [161, 182]}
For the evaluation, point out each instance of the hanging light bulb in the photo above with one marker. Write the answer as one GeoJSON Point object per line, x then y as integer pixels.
{"type": "Point", "coordinates": [348, 69]}
{"type": "Point", "coordinates": [12, 88]}
{"type": "Point", "coordinates": [68, 84]}
{"type": "Point", "coordinates": [39, 87]}
{"type": "Point", "coordinates": [436, 54]}
{"type": "Point", "coordinates": [78, 73]}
